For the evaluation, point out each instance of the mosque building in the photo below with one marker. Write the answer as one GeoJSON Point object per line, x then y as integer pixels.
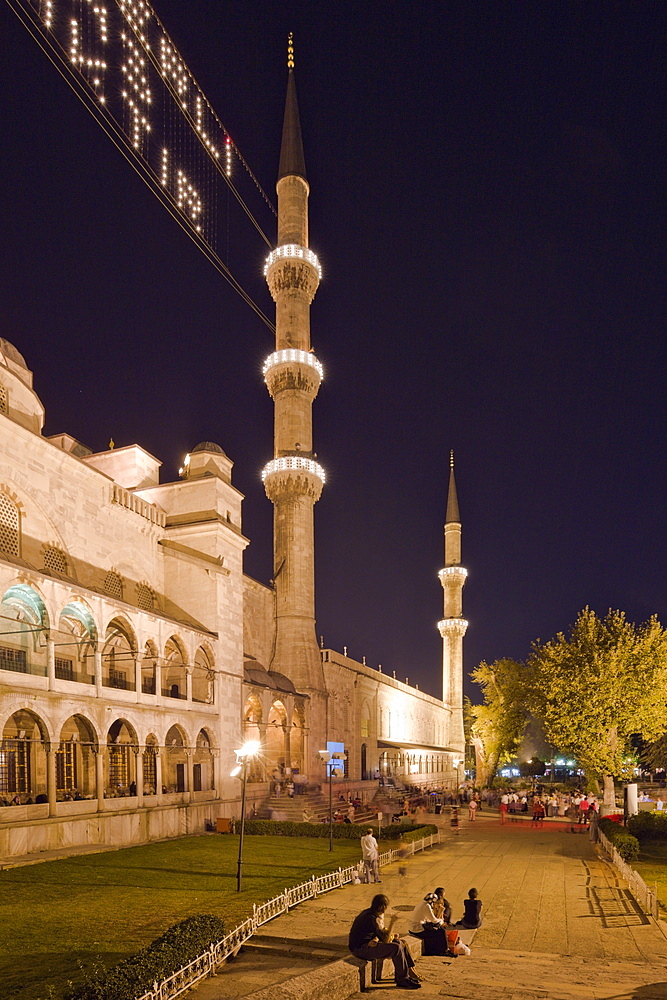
{"type": "Point", "coordinates": [136, 655]}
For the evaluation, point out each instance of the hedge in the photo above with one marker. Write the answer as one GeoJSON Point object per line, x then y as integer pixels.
{"type": "Point", "coordinates": [626, 845]}
{"type": "Point", "coordinates": [648, 825]}
{"type": "Point", "coordinates": [341, 831]}
{"type": "Point", "coordinates": [135, 975]}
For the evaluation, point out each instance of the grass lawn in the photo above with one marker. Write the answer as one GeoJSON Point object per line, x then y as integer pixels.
{"type": "Point", "coordinates": [652, 866]}
{"type": "Point", "coordinates": [59, 917]}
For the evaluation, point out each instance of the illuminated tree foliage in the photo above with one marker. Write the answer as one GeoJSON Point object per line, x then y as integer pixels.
{"type": "Point", "coordinates": [499, 723]}
{"type": "Point", "coordinates": [596, 688]}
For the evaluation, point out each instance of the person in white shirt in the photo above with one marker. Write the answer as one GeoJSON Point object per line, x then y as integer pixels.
{"type": "Point", "coordinates": [423, 923]}
{"type": "Point", "coordinates": [370, 856]}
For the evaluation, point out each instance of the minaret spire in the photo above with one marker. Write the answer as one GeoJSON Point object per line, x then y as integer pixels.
{"type": "Point", "coordinates": [453, 626]}
{"type": "Point", "coordinates": [293, 479]}
{"type": "Point", "coordinates": [292, 160]}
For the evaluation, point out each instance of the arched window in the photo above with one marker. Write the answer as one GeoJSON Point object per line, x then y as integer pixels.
{"type": "Point", "coordinates": [10, 526]}
{"type": "Point", "coordinates": [55, 560]}
{"type": "Point", "coordinates": [145, 597]}
{"type": "Point", "coordinates": [202, 678]}
{"type": "Point", "coordinates": [113, 585]}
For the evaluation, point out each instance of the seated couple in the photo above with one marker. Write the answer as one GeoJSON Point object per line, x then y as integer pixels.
{"type": "Point", "coordinates": [431, 921]}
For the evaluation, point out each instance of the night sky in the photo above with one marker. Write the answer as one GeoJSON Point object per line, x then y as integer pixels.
{"type": "Point", "coordinates": [488, 202]}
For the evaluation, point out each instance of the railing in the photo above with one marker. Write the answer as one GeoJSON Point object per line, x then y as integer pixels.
{"type": "Point", "coordinates": [646, 898]}
{"type": "Point", "coordinates": [204, 964]}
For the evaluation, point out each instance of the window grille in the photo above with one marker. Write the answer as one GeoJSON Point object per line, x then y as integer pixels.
{"type": "Point", "coordinates": [66, 767]}
{"type": "Point", "coordinates": [55, 559]}
{"type": "Point", "coordinates": [150, 770]}
{"type": "Point", "coordinates": [4, 407]}
{"type": "Point", "coordinates": [14, 766]}
{"type": "Point", "coordinates": [113, 585]}
{"type": "Point", "coordinates": [119, 766]}
{"type": "Point", "coordinates": [365, 728]}
{"type": "Point", "coordinates": [64, 669]}
{"type": "Point", "coordinates": [9, 526]}
{"type": "Point", "coordinates": [13, 659]}
{"type": "Point", "coordinates": [145, 597]}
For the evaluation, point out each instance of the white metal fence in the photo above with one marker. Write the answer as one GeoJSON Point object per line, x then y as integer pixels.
{"type": "Point", "coordinates": [204, 964]}
{"type": "Point", "coordinates": [647, 898]}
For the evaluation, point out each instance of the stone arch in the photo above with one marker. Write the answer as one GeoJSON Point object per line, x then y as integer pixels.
{"type": "Point", "coordinates": [75, 759]}
{"type": "Point", "coordinates": [122, 749]}
{"type": "Point", "coordinates": [25, 630]}
{"type": "Point", "coordinates": [75, 643]}
{"type": "Point", "coordinates": [253, 717]}
{"type": "Point", "coordinates": [203, 676]}
{"type": "Point", "coordinates": [23, 762]}
{"type": "Point", "coordinates": [119, 655]}
{"type": "Point", "coordinates": [150, 755]}
{"type": "Point", "coordinates": [149, 660]}
{"type": "Point", "coordinates": [275, 749]}
{"type": "Point", "coordinates": [174, 669]}
{"type": "Point", "coordinates": [202, 767]}
{"type": "Point", "coordinates": [175, 759]}
{"type": "Point", "coordinates": [298, 738]}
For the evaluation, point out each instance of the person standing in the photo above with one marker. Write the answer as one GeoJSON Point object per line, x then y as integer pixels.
{"type": "Point", "coordinates": [370, 856]}
{"type": "Point", "coordinates": [369, 939]}
{"type": "Point", "coordinates": [472, 810]}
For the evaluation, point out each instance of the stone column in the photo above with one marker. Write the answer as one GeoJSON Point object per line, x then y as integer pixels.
{"type": "Point", "coordinates": [139, 776]}
{"type": "Point", "coordinates": [189, 770]}
{"type": "Point", "coordinates": [158, 775]}
{"type": "Point", "coordinates": [99, 775]}
{"type": "Point", "coordinates": [188, 685]}
{"type": "Point", "coordinates": [137, 678]}
{"type": "Point", "coordinates": [51, 749]}
{"type": "Point", "coordinates": [98, 674]}
{"type": "Point", "coordinates": [51, 664]}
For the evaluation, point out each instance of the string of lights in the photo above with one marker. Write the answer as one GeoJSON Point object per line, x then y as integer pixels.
{"type": "Point", "coordinates": [126, 70]}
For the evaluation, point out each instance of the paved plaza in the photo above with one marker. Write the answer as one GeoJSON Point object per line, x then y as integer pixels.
{"type": "Point", "coordinates": [558, 923]}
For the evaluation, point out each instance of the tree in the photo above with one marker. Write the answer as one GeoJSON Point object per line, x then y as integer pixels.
{"type": "Point", "coordinates": [499, 723]}
{"type": "Point", "coordinates": [596, 688]}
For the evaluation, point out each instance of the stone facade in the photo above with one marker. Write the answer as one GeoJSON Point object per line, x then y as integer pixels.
{"type": "Point", "coordinates": [136, 656]}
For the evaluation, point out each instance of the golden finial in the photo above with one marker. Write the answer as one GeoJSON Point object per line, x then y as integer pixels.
{"type": "Point", "coordinates": [112, 444]}
{"type": "Point", "coordinates": [290, 51]}
{"type": "Point", "coordinates": [451, 459]}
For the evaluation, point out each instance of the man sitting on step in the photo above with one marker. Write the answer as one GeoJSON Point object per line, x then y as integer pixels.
{"type": "Point", "coordinates": [370, 940]}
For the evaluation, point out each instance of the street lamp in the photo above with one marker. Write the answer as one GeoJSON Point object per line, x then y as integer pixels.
{"type": "Point", "coordinates": [247, 751]}
{"type": "Point", "coordinates": [328, 758]}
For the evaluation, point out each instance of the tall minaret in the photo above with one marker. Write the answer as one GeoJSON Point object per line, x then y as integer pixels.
{"type": "Point", "coordinates": [293, 479]}
{"type": "Point", "coordinates": [453, 626]}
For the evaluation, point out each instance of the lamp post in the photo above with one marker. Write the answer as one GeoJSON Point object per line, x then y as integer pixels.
{"type": "Point", "coordinates": [247, 751]}
{"type": "Point", "coordinates": [325, 756]}
{"type": "Point", "coordinates": [329, 759]}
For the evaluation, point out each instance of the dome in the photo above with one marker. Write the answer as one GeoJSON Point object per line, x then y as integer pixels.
{"type": "Point", "coordinates": [10, 352]}
{"type": "Point", "coordinates": [208, 446]}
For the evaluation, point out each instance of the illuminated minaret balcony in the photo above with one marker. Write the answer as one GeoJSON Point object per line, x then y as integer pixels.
{"type": "Point", "coordinates": [453, 576]}
{"type": "Point", "coordinates": [292, 268]}
{"type": "Point", "coordinates": [292, 369]}
{"type": "Point", "coordinates": [293, 476]}
{"type": "Point", "coordinates": [454, 628]}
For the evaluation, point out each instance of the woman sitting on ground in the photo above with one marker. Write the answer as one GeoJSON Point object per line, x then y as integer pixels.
{"type": "Point", "coordinates": [472, 912]}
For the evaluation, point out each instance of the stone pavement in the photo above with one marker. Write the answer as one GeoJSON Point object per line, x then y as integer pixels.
{"type": "Point", "coordinates": [558, 924]}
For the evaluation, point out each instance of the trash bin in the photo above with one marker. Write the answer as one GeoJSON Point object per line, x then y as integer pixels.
{"type": "Point", "coordinates": [223, 825]}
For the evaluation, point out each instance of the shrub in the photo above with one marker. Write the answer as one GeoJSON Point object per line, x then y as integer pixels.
{"type": "Point", "coordinates": [341, 831]}
{"type": "Point", "coordinates": [626, 845]}
{"type": "Point", "coordinates": [135, 975]}
{"type": "Point", "coordinates": [648, 825]}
